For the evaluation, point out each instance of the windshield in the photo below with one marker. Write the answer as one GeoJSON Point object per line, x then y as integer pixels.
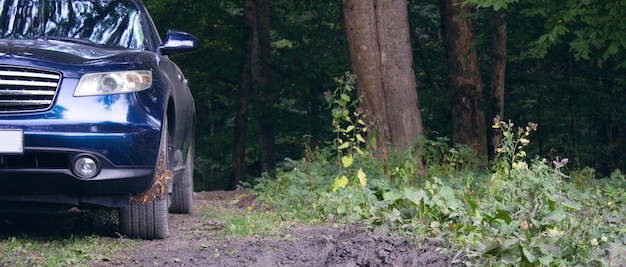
{"type": "Point", "coordinates": [111, 23]}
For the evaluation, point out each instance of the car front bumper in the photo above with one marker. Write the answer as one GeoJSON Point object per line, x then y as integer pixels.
{"type": "Point", "coordinates": [121, 132]}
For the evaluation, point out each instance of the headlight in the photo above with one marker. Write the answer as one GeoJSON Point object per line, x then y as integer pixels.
{"type": "Point", "coordinates": [118, 82]}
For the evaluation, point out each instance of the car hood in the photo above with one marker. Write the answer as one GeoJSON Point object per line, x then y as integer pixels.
{"type": "Point", "coordinates": [62, 52]}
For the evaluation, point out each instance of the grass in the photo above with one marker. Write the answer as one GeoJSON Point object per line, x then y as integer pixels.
{"type": "Point", "coordinates": [33, 250]}
{"type": "Point", "coordinates": [74, 239]}
{"type": "Point", "coordinates": [243, 222]}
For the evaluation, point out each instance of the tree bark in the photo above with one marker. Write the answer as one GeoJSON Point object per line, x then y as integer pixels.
{"type": "Point", "coordinates": [243, 93]}
{"type": "Point", "coordinates": [466, 95]}
{"type": "Point", "coordinates": [381, 57]}
{"type": "Point", "coordinates": [497, 46]}
{"type": "Point", "coordinates": [255, 76]}
{"type": "Point", "coordinates": [262, 75]}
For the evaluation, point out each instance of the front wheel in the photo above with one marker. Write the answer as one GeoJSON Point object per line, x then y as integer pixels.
{"type": "Point", "coordinates": [147, 221]}
{"type": "Point", "coordinates": [147, 215]}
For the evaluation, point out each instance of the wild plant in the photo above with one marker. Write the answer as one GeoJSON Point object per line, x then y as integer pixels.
{"type": "Point", "coordinates": [510, 153]}
{"type": "Point", "coordinates": [350, 127]}
{"type": "Point", "coordinates": [529, 211]}
{"type": "Point", "coordinates": [536, 218]}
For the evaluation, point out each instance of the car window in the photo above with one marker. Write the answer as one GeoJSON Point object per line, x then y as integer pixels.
{"type": "Point", "coordinates": [111, 23]}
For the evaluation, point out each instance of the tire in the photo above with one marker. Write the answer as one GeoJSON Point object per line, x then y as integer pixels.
{"type": "Point", "coordinates": [182, 191]}
{"type": "Point", "coordinates": [146, 221]}
{"type": "Point", "coordinates": [149, 220]}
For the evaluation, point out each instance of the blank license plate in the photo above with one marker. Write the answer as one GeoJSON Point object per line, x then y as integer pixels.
{"type": "Point", "coordinates": [11, 141]}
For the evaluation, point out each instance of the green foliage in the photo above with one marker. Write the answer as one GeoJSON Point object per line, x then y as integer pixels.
{"type": "Point", "coordinates": [496, 5]}
{"type": "Point", "coordinates": [443, 160]}
{"type": "Point", "coordinates": [525, 213]}
{"type": "Point", "coordinates": [592, 28]}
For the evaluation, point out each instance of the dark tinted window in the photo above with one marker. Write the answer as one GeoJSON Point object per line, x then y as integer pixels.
{"type": "Point", "coordinates": [115, 23]}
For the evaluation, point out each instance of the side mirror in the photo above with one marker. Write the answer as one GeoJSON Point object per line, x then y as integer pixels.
{"type": "Point", "coordinates": [179, 42]}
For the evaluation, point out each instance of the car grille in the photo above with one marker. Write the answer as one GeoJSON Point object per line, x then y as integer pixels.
{"type": "Point", "coordinates": [34, 160]}
{"type": "Point", "coordinates": [23, 90]}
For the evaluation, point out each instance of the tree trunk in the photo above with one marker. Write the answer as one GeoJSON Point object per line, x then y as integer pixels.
{"type": "Point", "coordinates": [403, 114]}
{"type": "Point", "coordinates": [466, 96]}
{"type": "Point", "coordinates": [262, 73]}
{"type": "Point", "coordinates": [381, 57]}
{"type": "Point", "coordinates": [497, 46]}
{"type": "Point", "coordinates": [243, 93]}
{"type": "Point", "coordinates": [255, 74]}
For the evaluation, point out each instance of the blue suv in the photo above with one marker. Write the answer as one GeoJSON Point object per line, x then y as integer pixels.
{"type": "Point", "coordinates": [93, 113]}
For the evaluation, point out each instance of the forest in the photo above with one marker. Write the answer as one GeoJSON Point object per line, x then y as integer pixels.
{"type": "Point", "coordinates": [557, 64]}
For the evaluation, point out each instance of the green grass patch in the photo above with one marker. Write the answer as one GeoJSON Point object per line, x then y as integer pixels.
{"type": "Point", "coordinates": [243, 222]}
{"type": "Point", "coordinates": [59, 251]}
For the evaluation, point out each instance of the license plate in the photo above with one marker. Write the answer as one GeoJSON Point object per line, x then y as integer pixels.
{"type": "Point", "coordinates": [11, 141]}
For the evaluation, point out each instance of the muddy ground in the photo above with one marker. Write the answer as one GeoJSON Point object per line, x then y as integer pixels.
{"type": "Point", "coordinates": [193, 242]}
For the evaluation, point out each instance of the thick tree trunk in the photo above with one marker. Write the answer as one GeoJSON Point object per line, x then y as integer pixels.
{"type": "Point", "coordinates": [360, 23]}
{"type": "Point", "coordinates": [380, 53]}
{"type": "Point", "coordinates": [396, 58]}
{"type": "Point", "coordinates": [497, 46]}
{"type": "Point", "coordinates": [466, 95]}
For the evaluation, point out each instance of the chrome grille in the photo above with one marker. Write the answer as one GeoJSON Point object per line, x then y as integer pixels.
{"type": "Point", "coordinates": [23, 89]}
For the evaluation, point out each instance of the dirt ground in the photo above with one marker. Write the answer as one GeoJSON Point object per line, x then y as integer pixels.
{"type": "Point", "coordinates": [193, 242]}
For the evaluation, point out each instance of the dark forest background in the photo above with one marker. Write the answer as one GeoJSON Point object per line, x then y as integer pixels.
{"type": "Point", "coordinates": [565, 72]}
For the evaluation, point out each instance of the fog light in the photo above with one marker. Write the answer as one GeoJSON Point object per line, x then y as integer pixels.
{"type": "Point", "coordinates": [86, 167]}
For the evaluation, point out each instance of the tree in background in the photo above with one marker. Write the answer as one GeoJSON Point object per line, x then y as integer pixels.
{"type": "Point", "coordinates": [378, 37]}
{"type": "Point", "coordinates": [497, 75]}
{"type": "Point", "coordinates": [466, 88]}
{"type": "Point", "coordinates": [255, 76]}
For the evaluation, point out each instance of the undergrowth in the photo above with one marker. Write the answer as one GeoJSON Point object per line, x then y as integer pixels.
{"type": "Point", "coordinates": [523, 211]}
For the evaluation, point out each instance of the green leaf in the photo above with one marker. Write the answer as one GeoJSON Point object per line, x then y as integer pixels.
{"type": "Point", "coordinates": [341, 210]}
{"type": "Point", "coordinates": [473, 205]}
{"type": "Point", "coordinates": [497, 5]}
{"type": "Point", "coordinates": [416, 196]}
{"type": "Point", "coordinates": [510, 243]}
{"type": "Point", "coordinates": [345, 97]}
{"type": "Point", "coordinates": [571, 204]}
{"type": "Point", "coordinates": [337, 113]}
{"type": "Point", "coordinates": [560, 29]}
{"type": "Point", "coordinates": [340, 182]}
{"type": "Point", "coordinates": [360, 138]}
{"type": "Point", "coordinates": [503, 215]}
{"type": "Point", "coordinates": [350, 128]}
{"type": "Point", "coordinates": [390, 195]}
{"type": "Point", "coordinates": [529, 256]}
{"type": "Point", "coordinates": [362, 177]}
{"type": "Point", "coordinates": [347, 161]}
{"type": "Point", "coordinates": [554, 217]}
{"type": "Point", "coordinates": [344, 145]}
{"type": "Point", "coordinates": [613, 49]}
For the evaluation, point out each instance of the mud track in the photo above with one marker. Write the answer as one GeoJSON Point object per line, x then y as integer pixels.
{"type": "Point", "coordinates": [194, 241]}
